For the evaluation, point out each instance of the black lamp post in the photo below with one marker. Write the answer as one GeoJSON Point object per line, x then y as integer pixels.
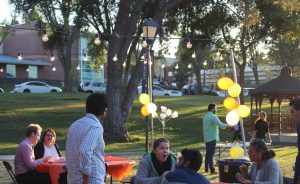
{"type": "Point", "coordinates": [149, 31]}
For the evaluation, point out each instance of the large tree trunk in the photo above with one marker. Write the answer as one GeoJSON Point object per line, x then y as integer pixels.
{"type": "Point", "coordinates": [120, 100]}
{"type": "Point", "coordinates": [255, 73]}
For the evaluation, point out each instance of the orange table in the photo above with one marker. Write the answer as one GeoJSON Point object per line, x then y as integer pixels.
{"type": "Point", "coordinates": [118, 167]}
{"type": "Point", "coordinates": [53, 169]}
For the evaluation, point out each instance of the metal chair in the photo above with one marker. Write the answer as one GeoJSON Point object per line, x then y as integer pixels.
{"type": "Point", "coordinates": [10, 171]}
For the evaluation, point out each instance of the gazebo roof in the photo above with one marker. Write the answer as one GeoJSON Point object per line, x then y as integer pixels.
{"type": "Point", "coordinates": [285, 84]}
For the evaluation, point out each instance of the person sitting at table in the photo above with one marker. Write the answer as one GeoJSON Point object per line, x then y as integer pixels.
{"type": "Point", "coordinates": [186, 169]}
{"type": "Point", "coordinates": [47, 146]}
{"type": "Point", "coordinates": [25, 162]}
{"type": "Point", "coordinates": [264, 168]}
{"type": "Point", "coordinates": [262, 127]}
{"type": "Point", "coordinates": [156, 164]}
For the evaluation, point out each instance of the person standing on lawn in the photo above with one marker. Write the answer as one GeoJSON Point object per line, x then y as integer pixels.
{"type": "Point", "coordinates": [211, 124]}
{"type": "Point", "coordinates": [85, 144]}
{"type": "Point", "coordinates": [295, 111]}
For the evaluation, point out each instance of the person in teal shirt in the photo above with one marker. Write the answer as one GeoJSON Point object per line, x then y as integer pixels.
{"type": "Point", "coordinates": [211, 124]}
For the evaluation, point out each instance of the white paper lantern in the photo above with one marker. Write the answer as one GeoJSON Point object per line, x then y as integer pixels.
{"type": "Point", "coordinates": [163, 109]}
{"type": "Point", "coordinates": [232, 117]}
{"type": "Point", "coordinates": [162, 116]}
{"type": "Point", "coordinates": [174, 115]}
{"type": "Point", "coordinates": [169, 112]}
{"type": "Point", "coordinates": [154, 115]}
{"type": "Point", "coordinates": [151, 107]}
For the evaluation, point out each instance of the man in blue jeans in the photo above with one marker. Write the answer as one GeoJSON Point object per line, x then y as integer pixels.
{"type": "Point", "coordinates": [295, 111]}
{"type": "Point", "coordinates": [211, 124]}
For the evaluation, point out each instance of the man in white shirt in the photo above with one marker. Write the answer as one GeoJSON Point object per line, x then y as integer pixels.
{"type": "Point", "coordinates": [85, 144]}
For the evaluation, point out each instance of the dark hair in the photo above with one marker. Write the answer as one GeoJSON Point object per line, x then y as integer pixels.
{"type": "Point", "coordinates": [157, 142]}
{"type": "Point", "coordinates": [260, 146]}
{"type": "Point", "coordinates": [45, 132]}
{"type": "Point", "coordinates": [211, 106]}
{"type": "Point", "coordinates": [295, 103]}
{"type": "Point", "coordinates": [194, 156]}
{"type": "Point", "coordinates": [33, 128]}
{"type": "Point", "coordinates": [96, 104]}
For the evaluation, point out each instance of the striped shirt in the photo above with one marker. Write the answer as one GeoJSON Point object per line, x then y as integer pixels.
{"type": "Point", "coordinates": [85, 151]}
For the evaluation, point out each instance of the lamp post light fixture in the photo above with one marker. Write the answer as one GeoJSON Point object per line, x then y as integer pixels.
{"type": "Point", "coordinates": [149, 31]}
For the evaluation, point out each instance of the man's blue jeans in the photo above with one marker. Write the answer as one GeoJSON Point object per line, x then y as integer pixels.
{"type": "Point", "coordinates": [209, 156]}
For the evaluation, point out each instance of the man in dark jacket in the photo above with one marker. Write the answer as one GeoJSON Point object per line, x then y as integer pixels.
{"type": "Point", "coordinates": [186, 169]}
{"type": "Point", "coordinates": [295, 110]}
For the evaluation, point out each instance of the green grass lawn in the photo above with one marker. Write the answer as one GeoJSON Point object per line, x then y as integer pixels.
{"type": "Point", "coordinates": [58, 111]}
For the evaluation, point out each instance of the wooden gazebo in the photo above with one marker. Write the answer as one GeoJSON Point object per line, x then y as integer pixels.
{"type": "Point", "coordinates": [284, 87]}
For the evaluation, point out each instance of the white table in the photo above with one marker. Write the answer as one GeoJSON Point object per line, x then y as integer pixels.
{"type": "Point", "coordinates": [223, 146]}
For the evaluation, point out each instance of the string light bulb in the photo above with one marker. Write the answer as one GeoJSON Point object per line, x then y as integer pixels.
{"type": "Point", "coordinates": [78, 67]}
{"type": "Point", "coordinates": [101, 66]}
{"type": "Point", "coordinates": [1, 70]}
{"type": "Point", "coordinates": [20, 57]}
{"type": "Point", "coordinates": [124, 64]}
{"type": "Point", "coordinates": [190, 66]}
{"type": "Point", "coordinates": [189, 44]}
{"type": "Point", "coordinates": [97, 40]}
{"type": "Point", "coordinates": [221, 58]}
{"type": "Point", "coordinates": [142, 58]}
{"type": "Point", "coordinates": [194, 55]}
{"type": "Point", "coordinates": [163, 66]}
{"type": "Point", "coordinates": [45, 36]}
{"type": "Point", "coordinates": [53, 68]}
{"type": "Point", "coordinates": [115, 58]}
{"type": "Point", "coordinates": [176, 67]}
{"type": "Point", "coordinates": [27, 69]}
{"type": "Point", "coordinates": [205, 63]}
{"type": "Point", "coordinates": [52, 58]}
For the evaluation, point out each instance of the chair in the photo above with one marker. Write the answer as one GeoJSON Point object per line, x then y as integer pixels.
{"type": "Point", "coordinates": [10, 171]}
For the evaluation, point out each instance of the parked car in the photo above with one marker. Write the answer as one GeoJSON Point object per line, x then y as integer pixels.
{"type": "Point", "coordinates": [35, 87]}
{"type": "Point", "coordinates": [93, 87]}
{"type": "Point", "coordinates": [158, 91]}
{"type": "Point", "coordinates": [247, 91]}
{"type": "Point", "coordinates": [1, 90]}
{"type": "Point", "coordinates": [190, 89]}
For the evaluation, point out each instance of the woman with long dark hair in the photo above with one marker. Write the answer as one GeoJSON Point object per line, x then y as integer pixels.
{"type": "Point", "coordinates": [264, 169]}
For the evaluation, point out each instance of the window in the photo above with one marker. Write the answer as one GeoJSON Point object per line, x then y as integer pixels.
{"type": "Point", "coordinates": [11, 71]}
{"type": "Point", "coordinates": [32, 72]}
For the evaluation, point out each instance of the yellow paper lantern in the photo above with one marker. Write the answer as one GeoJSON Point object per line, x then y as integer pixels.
{"type": "Point", "coordinates": [232, 117]}
{"type": "Point", "coordinates": [236, 152]}
{"type": "Point", "coordinates": [234, 90]}
{"type": "Point", "coordinates": [224, 83]}
{"type": "Point", "coordinates": [230, 103]}
{"type": "Point", "coordinates": [144, 111]}
{"type": "Point", "coordinates": [243, 111]}
{"type": "Point", "coordinates": [144, 98]}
